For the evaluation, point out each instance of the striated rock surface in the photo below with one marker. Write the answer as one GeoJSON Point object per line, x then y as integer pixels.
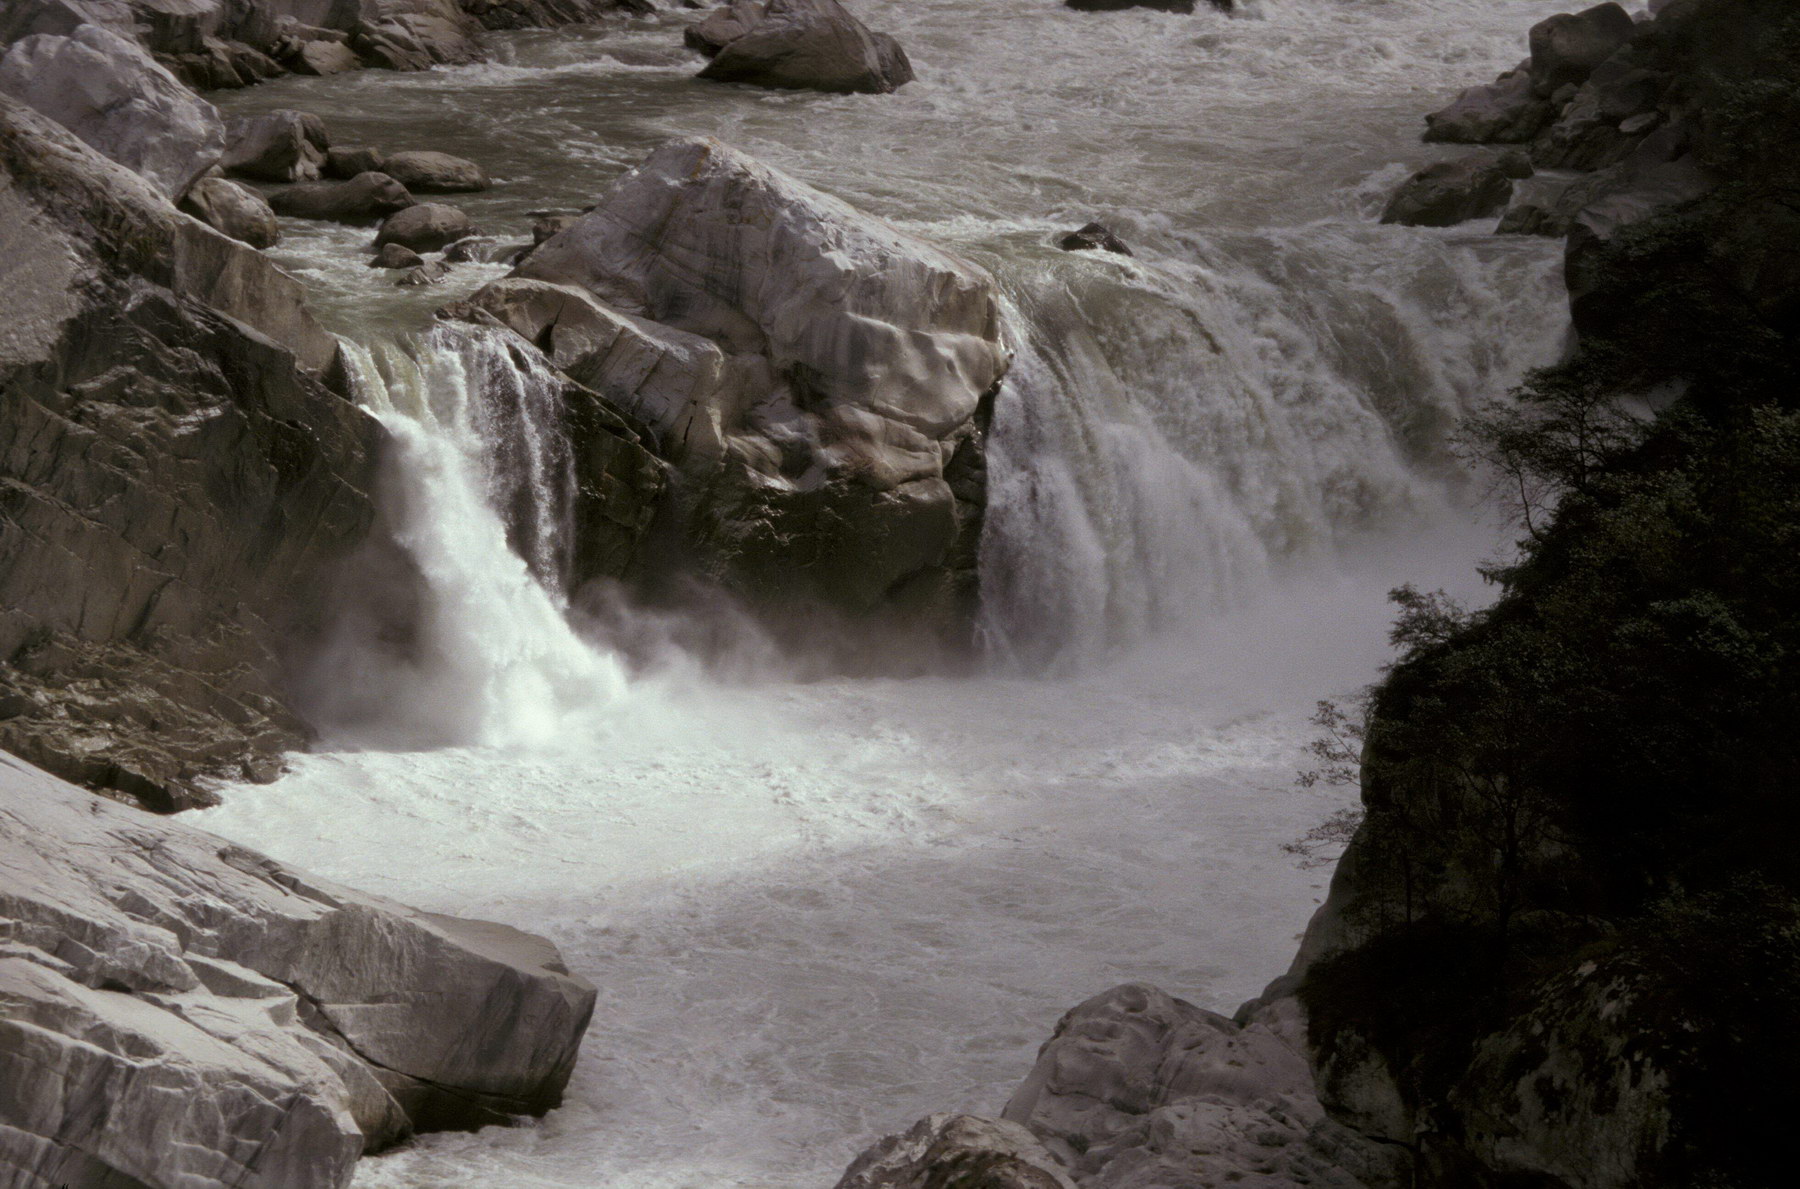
{"type": "Point", "coordinates": [818, 379]}
{"type": "Point", "coordinates": [177, 1011]}
{"type": "Point", "coordinates": [176, 479]}
{"type": "Point", "coordinates": [110, 93]}
{"type": "Point", "coordinates": [804, 45]}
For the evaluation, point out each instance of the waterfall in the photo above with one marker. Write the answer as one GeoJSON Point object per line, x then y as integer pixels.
{"type": "Point", "coordinates": [476, 494]}
{"type": "Point", "coordinates": [1174, 436]}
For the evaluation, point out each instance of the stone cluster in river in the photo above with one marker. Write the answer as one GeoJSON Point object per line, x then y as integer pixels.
{"type": "Point", "coordinates": [183, 1011]}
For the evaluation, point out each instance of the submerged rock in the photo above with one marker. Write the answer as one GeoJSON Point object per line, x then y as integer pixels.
{"type": "Point", "coordinates": [438, 173]}
{"type": "Point", "coordinates": [423, 274]}
{"type": "Point", "coordinates": [170, 450]}
{"type": "Point", "coordinates": [183, 1011]}
{"type": "Point", "coordinates": [1092, 236]}
{"type": "Point", "coordinates": [235, 210]}
{"type": "Point", "coordinates": [818, 379]}
{"type": "Point", "coordinates": [278, 146]}
{"type": "Point", "coordinates": [961, 1150]}
{"type": "Point", "coordinates": [365, 196]}
{"type": "Point", "coordinates": [110, 93]}
{"type": "Point", "coordinates": [396, 256]}
{"type": "Point", "coordinates": [426, 227]}
{"type": "Point", "coordinates": [1451, 192]}
{"type": "Point", "coordinates": [808, 45]}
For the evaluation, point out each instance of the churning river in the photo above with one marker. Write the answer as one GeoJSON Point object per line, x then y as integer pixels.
{"type": "Point", "coordinates": [819, 909]}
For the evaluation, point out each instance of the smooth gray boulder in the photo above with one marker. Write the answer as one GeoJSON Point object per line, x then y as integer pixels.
{"type": "Point", "coordinates": [114, 96]}
{"type": "Point", "coordinates": [365, 196]}
{"type": "Point", "coordinates": [1139, 1090]}
{"type": "Point", "coordinates": [1451, 192]}
{"type": "Point", "coordinates": [181, 1011]}
{"type": "Point", "coordinates": [713, 32]}
{"type": "Point", "coordinates": [172, 450]}
{"type": "Point", "coordinates": [235, 210]}
{"type": "Point", "coordinates": [395, 256]}
{"type": "Point", "coordinates": [1567, 47]}
{"type": "Point", "coordinates": [344, 162]}
{"type": "Point", "coordinates": [278, 146]}
{"type": "Point", "coordinates": [1506, 111]}
{"type": "Point", "coordinates": [818, 378]}
{"type": "Point", "coordinates": [811, 45]}
{"type": "Point", "coordinates": [426, 227]}
{"type": "Point", "coordinates": [435, 173]}
{"type": "Point", "coordinates": [957, 1150]}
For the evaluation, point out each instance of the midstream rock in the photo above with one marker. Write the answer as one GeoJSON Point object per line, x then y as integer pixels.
{"type": "Point", "coordinates": [235, 210]}
{"type": "Point", "coordinates": [177, 479]}
{"type": "Point", "coordinates": [809, 45]}
{"type": "Point", "coordinates": [176, 1010]}
{"type": "Point", "coordinates": [364, 197]}
{"type": "Point", "coordinates": [822, 394]}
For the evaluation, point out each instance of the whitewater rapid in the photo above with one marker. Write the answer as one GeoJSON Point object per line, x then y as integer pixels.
{"type": "Point", "coordinates": [818, 909]}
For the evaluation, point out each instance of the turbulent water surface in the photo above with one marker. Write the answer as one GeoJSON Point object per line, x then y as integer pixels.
{"type": "Point", "coordinates": [816, 910]}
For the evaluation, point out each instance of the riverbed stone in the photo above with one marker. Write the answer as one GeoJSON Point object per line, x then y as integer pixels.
{"type": "Point", "coordinates": [811, 45]}
{"type": "Point", "coordinates": [105, 89]}
{"type": "Point", "coordinates": [1093, 236]}
{"type": "Point", "coordinates": [396, 256]}
{"type": "Point", "coordinates": [365, 196]}
{"type": "Point", "coordinates": [344, 162]}
{"type": "Point", "coordinates": [959, 1150]}
{"type": "Point", "coordinates": [826, 378]}
{"type": "Point", "coordinates": [1450, 192]}
{"type": "Point", "coordinates": [277, 146]}
{"type": "Point", "coordinates": [242, 1022]}
{"type": "Point", "coordinates": [435, 173]}
{"type": "Point", "coordinates": [238, 211]}
{"type": "Point", "coordinates": [426, 227]}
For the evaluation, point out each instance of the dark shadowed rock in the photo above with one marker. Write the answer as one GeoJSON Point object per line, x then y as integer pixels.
{"type": "Point", "coordinates": [238, 211]}
{"type": "Point", "coordinates": [1566, 48]}
{"type": "Point", "coordinates": [438, 173]}
{"type": "Point", "coordinates": [396, 256]}
{"type": "Point", "coordinates": [243, 1023]}
{"type": "Point", "coordinates": [1451, 192]}
{"type": "Point", "coordinates": [365, 196]}
{"type": "Point", "coordinates": [475, 248]}
{"type": "Point", "coordinates": [168, 449]}
{"type": "Point", "coordinates": [110, 93]}
{"type": "Point", "coordinates": [278, 146]}
{"type": "Point", "coordinates": [427, 227]}
{"type": "Point", "coordinates": [547, 225]}
{"type": "Point", "coordinates": [958, 1150]}
{"type": "Point", "coordinates": [1507, 111]}
{"type": "Point", "coordinates": [344, 162]}
{"type": "Point", "coordinates": [811, 45]}
{"type": "Point", "coordinates": [424, 274]}
{"type": "Point", "coordinates": [1093, 236]}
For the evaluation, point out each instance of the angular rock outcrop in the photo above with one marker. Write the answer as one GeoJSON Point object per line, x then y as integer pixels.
{"type": "Point", "coordinates": [1566, 48]}
{"type": "Point", "coordinates": [819, 380]}
{"type": "Point", "coordinates": [1452, 192]}
{"type": "Point", "coordinates": [277, 146]}
{"type": "Point", "coordinates": [235, 210]}
{"type": "Point", "coordinates": [806, 45]}
{"type": "Point", "coordinates": [1093, 236]}
{"type": "Point", "coordinates": [110, 93]}
{"type": "Point", "coordinates": [180, 1011]}
{"type": "Point", "coordinates": [176, 479]}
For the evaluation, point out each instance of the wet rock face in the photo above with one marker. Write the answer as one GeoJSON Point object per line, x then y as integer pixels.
{"type": "Point", "coordinates": [962, 1150]}
{"type": "Point", "coordinates": [278, 146]}
{"type": "Point", "coordinates": [821, 396]}
{"type": "Point", "coordinates": [111, 94]}
{"type": "Point", "coordinates": [234, 210]}
{"type": "Point", "coordinates": [1451, 192]}
{"type": "Point", "coordinates": [803, 45]}
{"type": "Point", "coordinates": [425, 227]}
{"type": "Point", "coordinates": [176, 479]}
{"type": "Point", "coordinates": [1566, 48]}
{"type": "Point", "coordinates": [244, 1023]}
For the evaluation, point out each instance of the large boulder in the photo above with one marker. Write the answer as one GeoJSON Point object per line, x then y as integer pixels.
{"type": "Point", "coordinates": [1566, 48]}
{"type": "Point", "coordinates": [811, 45]}
{"type": "Point", "coordinates": [235, 210]}
{"type": "Point", "coordinates": [1451, 192]}
{"type": "Point", "coordinates": [426, 227]}
{"type": "Point", "coordinates": [277, 146]}
{"type": "Point", "coordinates": [819, 379]}
{"type": "Point", "coordinates": [961, 1150]}
{"type": "Point", "coordinates": [1139, 1090]}
{"type": "Point", "coordinates": [721, 26]}
{"type": "Point", "coordinates": [365, 196]}
{"type": "Point", "coordinates": [179, 479]}
{"type": "Point", "coordinates": [181, 1011]}
{"type": "Point", "coordinates": [437, 173]}
{"type": "Point", "coordinates": [110, 93]}
{"type": "Point", "coordinates": [1506, 111]}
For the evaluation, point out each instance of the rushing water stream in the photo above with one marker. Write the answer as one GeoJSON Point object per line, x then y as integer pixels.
{"type": "Point", "coordinates": [818, 910]}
